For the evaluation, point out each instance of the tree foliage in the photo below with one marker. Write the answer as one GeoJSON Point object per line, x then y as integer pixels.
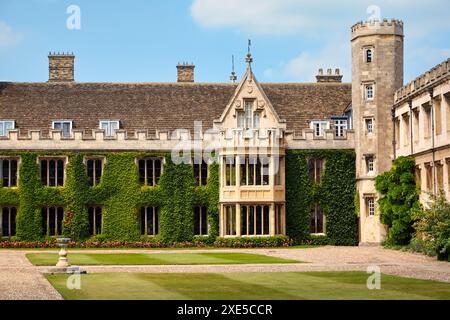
{"type": "Point", "coordinates": [399, 197]}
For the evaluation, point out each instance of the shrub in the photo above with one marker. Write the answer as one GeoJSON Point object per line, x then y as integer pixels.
{"type": "Point", "coordinates": [317, 240]}
{"type": "Point", "coordinates": [433, 227]}
{"type": "Point", "coordinates": [156, 242]}
{"type": "Point", "coordinates": [252, 242]}
{"type": "Point", "coordinates": [399, 197]}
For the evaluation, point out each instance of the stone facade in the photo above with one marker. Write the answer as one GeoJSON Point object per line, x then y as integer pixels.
{"type": "Point", "coordinates": [243, 119]}
{"type": "Point", "coordinates": [422, 128]}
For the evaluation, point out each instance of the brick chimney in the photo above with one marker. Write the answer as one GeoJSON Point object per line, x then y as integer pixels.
{"type": "Point", "coordinates": [185, 72]}
{"type": "Point", "coordinates": [61, 66]}
{"type": "Point", "coordinates": [329, 77]}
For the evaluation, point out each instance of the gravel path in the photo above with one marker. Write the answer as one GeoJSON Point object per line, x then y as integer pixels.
{"type": "Point", "coordinates": [20, 280]}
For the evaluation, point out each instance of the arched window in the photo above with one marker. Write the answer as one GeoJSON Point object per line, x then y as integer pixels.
{"type": "Point", "coordinates": [369, 55]}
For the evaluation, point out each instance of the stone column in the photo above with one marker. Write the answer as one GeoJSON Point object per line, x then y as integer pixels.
{"type": "Point", "coordinates": [221, 224]}
{"type": "Point", "coordinates": [238, 220]}
{"type": "Point", "coordinates": [272, 219]}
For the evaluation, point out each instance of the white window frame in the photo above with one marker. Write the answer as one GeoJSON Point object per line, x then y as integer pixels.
{"type": "Point", "coordinates": [249, 118]}
{"type": "Point", "coordinates": [370, 160]}
{"type": "Point", "coordinates": [340, 125]}
{"type": "Point", "coordinates": [366, 91]}
{"type": "Point", "coordinates": [323, 125]}
{"type": "Point", "coordinates": [3, 130]}
{"type": "Point", "coordinates": [366, 122]}
{"type": "Point", "coordinates": [70, 122]}
{"type": "Point", "coordinates": [109, 131]}
{"type": "Point", "coordinates": [370, 207]}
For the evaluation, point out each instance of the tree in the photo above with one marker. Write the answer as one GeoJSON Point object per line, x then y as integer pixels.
{"type": "Point", "coordinates": [399, 197]}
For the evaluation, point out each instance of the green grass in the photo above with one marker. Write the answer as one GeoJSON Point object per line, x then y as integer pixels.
{"type": "Point", "coordinates": [50, 259]}
{"type": "Point", "coordinates": [238, 286]}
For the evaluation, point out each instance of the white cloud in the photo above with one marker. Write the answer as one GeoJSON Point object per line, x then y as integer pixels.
{"type": "Point", "coordinates": [258, 16]}
{"type": "Point", "coordinates": [328, 21]}
{"type": "Point", "coordinates": [307, 17]}
{"type": "Point", "coordinates": [305, 65]}
{"type": "Point", "coordinates": [8, 37]}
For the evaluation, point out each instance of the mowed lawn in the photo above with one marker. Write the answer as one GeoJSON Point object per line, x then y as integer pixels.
{"type": "Point", "coordinates": [238, 286]}
{"type": "Point", "coordinates": [50, 259]}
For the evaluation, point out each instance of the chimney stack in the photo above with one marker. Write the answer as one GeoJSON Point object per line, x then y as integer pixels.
{"type": "Point", "coordinates": [329, 77]}
{"type": "Point", "coordinates": [61, 66]}
{"type": "Point", "coordinates": [185, 72]}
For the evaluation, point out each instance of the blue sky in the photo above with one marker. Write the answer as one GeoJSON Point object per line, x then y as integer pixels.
{"type": "Point", "coordinates": [143, 40]}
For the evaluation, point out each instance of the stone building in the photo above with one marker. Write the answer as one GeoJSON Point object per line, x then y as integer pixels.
{"type": "Point", "coordinates": [421, 122]}
{"type": "Point", "coordinates": [278, 149]}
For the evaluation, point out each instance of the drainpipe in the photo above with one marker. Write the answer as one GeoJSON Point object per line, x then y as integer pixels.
{"type": "Point", "coordinates": [393, 125]}
{"type": "Point", "coordinates": [430, 91]}
{"type": "Point", "coordinates": [411, 126]}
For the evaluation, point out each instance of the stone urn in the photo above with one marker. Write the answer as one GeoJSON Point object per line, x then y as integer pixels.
{"type": "Point", "coordinates": [63, 243]}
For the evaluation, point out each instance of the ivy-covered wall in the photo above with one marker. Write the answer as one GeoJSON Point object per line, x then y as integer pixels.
{"type": "Point", "coordinates": [335, 195]}
{"type": "Point", "coordinates": [121, 196]}
{"type": "Point", "coordinates": [119, 193]}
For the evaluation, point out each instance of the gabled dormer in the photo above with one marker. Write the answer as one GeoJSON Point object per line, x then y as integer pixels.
{"type": "Point", "coordinates": [249, 108]}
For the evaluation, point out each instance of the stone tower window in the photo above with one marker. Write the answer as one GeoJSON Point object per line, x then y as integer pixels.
{"type": "Point", "coordinates": [369, 92]}
{"type": "Point", "coordinates": [369, 125]}
{"type": "Point", "coordinates": [370, 207]}
{"type": "Point", "coordinates": [369, 55]}
{"type": "Point", "coordinates": [370, 164]}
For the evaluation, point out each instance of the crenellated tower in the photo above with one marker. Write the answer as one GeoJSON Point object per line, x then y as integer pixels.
{"type": "Point", "coordinates": [377, 72]}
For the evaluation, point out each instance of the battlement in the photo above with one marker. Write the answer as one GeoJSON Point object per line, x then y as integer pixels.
{"type": "Point", "coordinates": [60, 54]}
{"type": "Point", "coordinates": [329, 141]}
{"type": "Point", "coordinates": [426, 80]}
{"type": "Point", "coordinates": [167, 140]}
{"type": "Point", "coordinates": [372, 27]}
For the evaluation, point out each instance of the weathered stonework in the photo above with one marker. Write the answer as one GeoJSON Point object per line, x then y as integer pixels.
{"type": "Point", "coordinates": [185, 72]}
{"type": "Point", "coordinates": [385, 74]}
{"type": "Point", "coordinates": [422, 129]}
{"type": "Point", "coordinates": [61, 67]}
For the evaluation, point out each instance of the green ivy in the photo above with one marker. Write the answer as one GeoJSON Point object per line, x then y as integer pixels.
{"type": "Point", "coordinates": [119, 193]}
{"type": "Point", "coordinates": [177, 217]}
{"type": "Point", "coordinates": [121, 196]}
{"type": "Point", "coordinates": [335, 195]}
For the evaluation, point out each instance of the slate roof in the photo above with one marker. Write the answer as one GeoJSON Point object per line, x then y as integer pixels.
{"type": "Point", "coordinates": [159, 106]}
